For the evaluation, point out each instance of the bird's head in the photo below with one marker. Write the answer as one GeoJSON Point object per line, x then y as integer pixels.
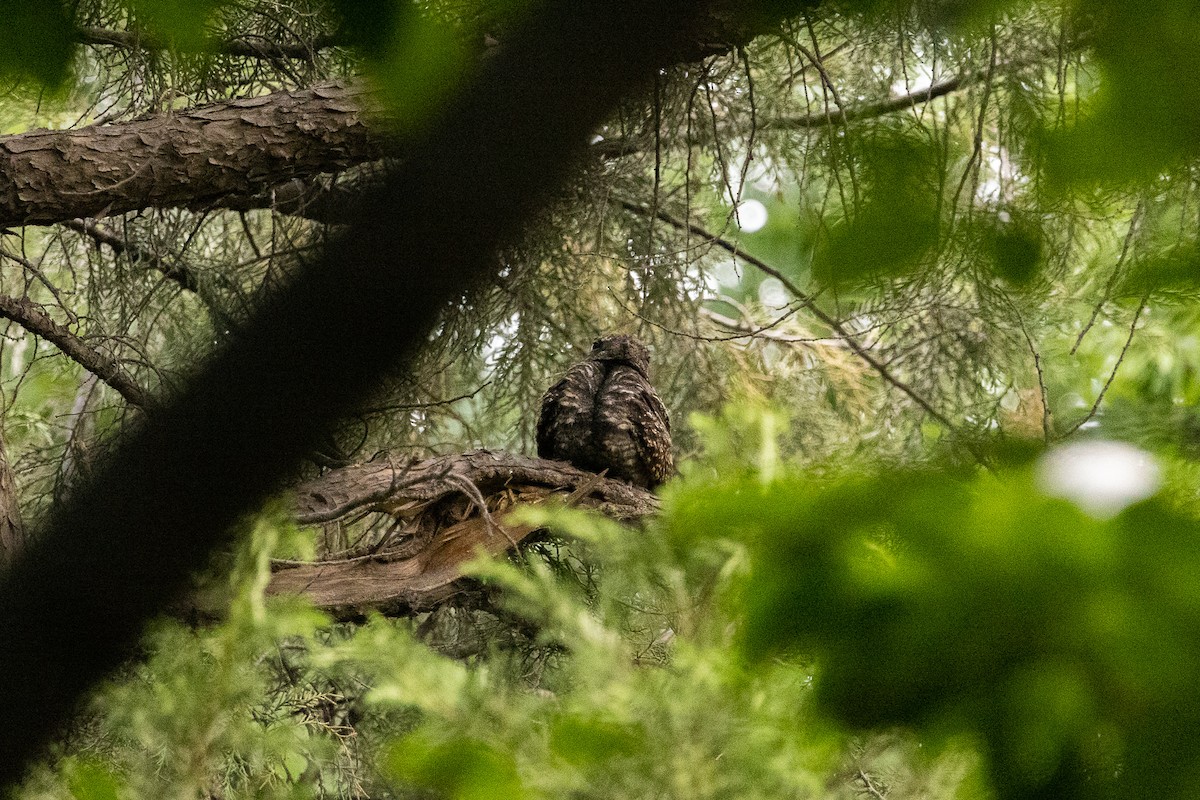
{"type": "Point", "coordinates": [619, 347]}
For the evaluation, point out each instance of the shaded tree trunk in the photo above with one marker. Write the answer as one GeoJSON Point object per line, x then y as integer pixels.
{"type": "Point", "coordinates": [12, 527]}
{"type": "Point", "coordinates": [72, 607]}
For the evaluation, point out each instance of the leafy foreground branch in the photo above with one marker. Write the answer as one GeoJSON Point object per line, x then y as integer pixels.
{"type": "Point", "coordinates": [1066, 645]}
{"type": "Point", "coordinates": [914, 635]}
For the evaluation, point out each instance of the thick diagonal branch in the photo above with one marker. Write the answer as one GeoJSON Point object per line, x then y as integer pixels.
{"type": "Point", "coordinates": [72, 606]}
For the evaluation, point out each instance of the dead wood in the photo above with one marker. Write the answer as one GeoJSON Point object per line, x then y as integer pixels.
{"type": "Point", "coordinates": [437, 515]}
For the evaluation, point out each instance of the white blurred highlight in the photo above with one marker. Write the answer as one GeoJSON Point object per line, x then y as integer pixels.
{"type": "Point", "coordinates": [751, 215]}
{"type": "Point", "coordinates": [1102, 478]}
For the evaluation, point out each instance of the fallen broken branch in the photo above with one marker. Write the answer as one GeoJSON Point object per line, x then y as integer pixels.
{"type": "Point", "coordinates": [436, 525]}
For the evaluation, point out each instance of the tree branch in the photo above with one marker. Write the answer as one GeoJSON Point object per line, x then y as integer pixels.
{"type": "Point", "coordinates": [1137, 316]}
{"type": "Point", "coordinates": [753, 330]}
{"type": "Point", "coordinates": [437, 528]}
{"type": "Point", "coordinates": [180, 274]}
{"type": "Point", "coordinates": [272, 151]}
{"type": "Point", "coordinates": [23, 312]}
{"type": "Point", "coordinates": [882, 108]}
{"type": "Point", "coordinates": [913, 99]}
{"type": "Point", "coordinates": [246, 46]}
{"type": "Point", "coordinates": [226, 154]}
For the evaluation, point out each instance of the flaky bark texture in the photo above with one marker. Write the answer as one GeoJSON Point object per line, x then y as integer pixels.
{"type": "Point", "coordinates": [440, 524]}
{"type": "Point", "coordinates": [276, 150]}
{"type": "Point", "coordinates": [227, 154]}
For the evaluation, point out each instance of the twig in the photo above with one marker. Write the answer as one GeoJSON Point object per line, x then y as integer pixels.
{"type": "Point", "coordinates": [1120, 358]}
{"type": "Point", "coordinates": [119, 244]}
{"type": "Point", "coordinates": [1134, 221]}
{"type": "Point", "coordinates": [33, 269]}
{"type": "Point", "coordinates": [753, 331]}
{"type": "Point", "coordinates": [382, 493]}
{"type": "Point", "coordinates": [872, 790]}
{"type": "Point", "coordinates": [23, 312]}
{"type": "Point", "coordinates": [808, 301]}
{"type": "Point", "coordinates": [879, 109]}
{"type": "Point", "coordinates": [815, 57]}
{"type": "Point", "coordinates": [468, 488]}
{"type": "Point", "coordinates": [449, 401]}
{"type": "Point", "coordinates": [1037, 365]}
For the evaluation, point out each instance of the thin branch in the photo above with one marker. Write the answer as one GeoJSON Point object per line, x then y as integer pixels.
{"type": "Point", "coordinates": [23, 312]}
{"type": "Point", "coordinates": [871, 110]}
{"type": "Point", "coordinates": [449, 401]}
{"type": "Point", "coordinates": [753, 331]}
{"type": "Point", "coordinates": [809, 302]}
{"type": "Point", "coordinates": [1037, 365]}
{"type": "Point", "coordinates": [1120, 358]}
{"type": "Point", "coordinates": [246, 46]}
{"type": "Point", "coordinates": [870, 787]}
{"type": "Point", "coordinates": [181, 275]}
{"type": "Point", "coordinates": [1130, 234]}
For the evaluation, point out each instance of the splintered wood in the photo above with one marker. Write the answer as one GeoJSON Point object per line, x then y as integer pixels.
{"type": "Point", "coordinates": [420, 522]}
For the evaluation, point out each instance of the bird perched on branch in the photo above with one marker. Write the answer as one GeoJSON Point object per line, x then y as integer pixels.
{"type": "Point", "coordinates": [605, 415]}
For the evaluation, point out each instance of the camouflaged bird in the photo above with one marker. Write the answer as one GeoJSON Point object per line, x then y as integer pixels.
{"type": "Point", "coordinates": [605, 415]}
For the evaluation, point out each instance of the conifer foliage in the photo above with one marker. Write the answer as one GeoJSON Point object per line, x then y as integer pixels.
{"type": "Point", "coordinates": [919, 280]}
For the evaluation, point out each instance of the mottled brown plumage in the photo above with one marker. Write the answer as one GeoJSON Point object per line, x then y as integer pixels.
{"type": "Point", "coordinates": [605, 415]}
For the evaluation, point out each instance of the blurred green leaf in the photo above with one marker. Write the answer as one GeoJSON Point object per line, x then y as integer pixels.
{"type": "Point", "coordinates": [1145, 114]}
{"type": "Point", "coordinates": [90, 781]}
{"type": "Point", "coordinates": [370, 25]}
{"type": "Point", "coordinates": [592, 740]}
{"type": "Point", "coordinates": [897, 223]}
{"type": "Point", "coordinates": [460, 768]}
{"type": "Point", "coordinates": [36, 40]}
{"type": "Point", "coordinates": [182, 23]}
{"type": "Point", "coordinates": [1175, 271]}
{"type": "Point", "coordinates": [1017, 251]}
{"type": "Point", "coordinates": [925, 599]}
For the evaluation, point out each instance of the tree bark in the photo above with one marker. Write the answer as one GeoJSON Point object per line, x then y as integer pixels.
{"type": "Point", "coordinates": [22, 311]}
{"type": "Point", "coordinates": [12, 527]}
{"type": "Point", "coordinates": [438, 525]}
{"type": "Point", "coordinates": [226, 154]}
{"type": "Point", "coordinates": [256, 152]}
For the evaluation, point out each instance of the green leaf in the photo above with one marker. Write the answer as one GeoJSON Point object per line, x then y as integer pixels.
{"type": "Point", "coordinates": [461, 768]}
{"type": "Point", "coordinates": [1017, 251]}
{"type": "Point", "coordinates": [371, 24]}
{"type": "Point", "coordinates": [90, 781]}
{"type": "Point", "coordinates": [895, 226]}
{"type": "Point", "coordinates": [181, 23]}
{"type": "Point", "coordinates": [36, 40]}
{"type": "Point", "coordinates": [588, 740]}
